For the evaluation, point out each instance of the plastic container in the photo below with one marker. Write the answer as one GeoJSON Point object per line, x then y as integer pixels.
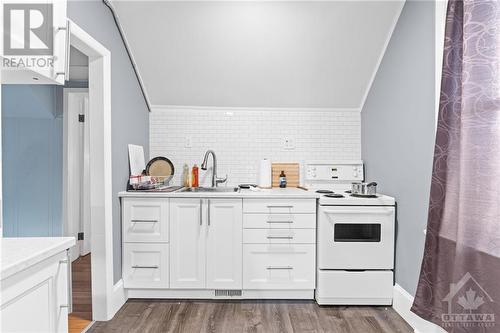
{"type": "Point", "coordinates": [194, 176]}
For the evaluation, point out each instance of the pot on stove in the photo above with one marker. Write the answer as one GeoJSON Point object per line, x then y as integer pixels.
{"type": "Point", "coordinates": [364, 189]}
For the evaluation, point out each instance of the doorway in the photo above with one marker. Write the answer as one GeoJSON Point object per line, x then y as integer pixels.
{"type": "Point", "coordinates": [106, 297]}
{"type": "Point", "coordinates": [76, 189]}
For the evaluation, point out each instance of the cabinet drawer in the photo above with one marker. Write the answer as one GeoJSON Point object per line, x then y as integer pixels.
{"type": "Point", "coordinates": [351, 287]}
{"type": "Point", "coordinates": [145, 220]}
{"type": "Point", "coordinates": [279, 221]}
{"type": "Point", "coordinates": [278, 266]}
{"type": "Point", "coordinates": [145, 265]}
{"type": "Point", "coordinates": [279, 236]}
{"type": "Point", "coordinates": [285, 206]}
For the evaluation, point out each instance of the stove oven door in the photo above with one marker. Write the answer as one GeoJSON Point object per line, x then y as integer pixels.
{"type": "Point", "coordinates": [356, 237]}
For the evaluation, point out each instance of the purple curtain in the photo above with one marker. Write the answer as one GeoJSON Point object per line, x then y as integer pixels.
{"type": "Point", "coordinates": [459, 285]}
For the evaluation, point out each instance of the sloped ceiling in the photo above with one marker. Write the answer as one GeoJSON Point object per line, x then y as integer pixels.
{"type": "Point", "coordinates": [258, 53]}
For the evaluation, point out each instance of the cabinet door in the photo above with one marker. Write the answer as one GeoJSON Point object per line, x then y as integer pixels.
{"type": "Point", "coordinates": [38, 293]}
{"type": "Point", "coordinates": [145, 220]}
{"type": "Point", "coordinates": [187, 244]}
{"type": "Point", "coordinates": [145, 265]}
{"type": "Point", "coordinates": [61, 40]}
{"type": "Point", "coordinates": [224, 243]}
{"type": "Point", "coordinates": [279, 266]}
{"type": "Point", "coordinates": [47, 68]}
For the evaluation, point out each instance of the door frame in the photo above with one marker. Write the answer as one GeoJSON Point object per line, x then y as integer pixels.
{"type": "Point", "coordinates": [107, 297]}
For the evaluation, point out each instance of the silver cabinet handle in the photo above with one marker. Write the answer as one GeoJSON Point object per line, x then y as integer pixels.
{"type": "Point", "coordinates": [65, 306]}
{"type": "Point", "coordinates": [67, 262]}
{"type": "Point", "coordinates": [374, 211]}
{"type": "Point", "coordinates": [279, 222]}
{"type": "Point", "coordinates": [67, 28]}
{"type": "Point", "coordinates": [144, 221]}
{"type": "Point", "coordinates": [148, 267]}
{"type": "Point", "coordinates": [201, 211]}
{"type": "Point", "coordinates": [279, 267]}
{"type": "Point", "coordinates": [279, 206]}
{"type": "Point", "coordinates": [279, 237]}
{"type": "Point", "coordinates": [208, 215]}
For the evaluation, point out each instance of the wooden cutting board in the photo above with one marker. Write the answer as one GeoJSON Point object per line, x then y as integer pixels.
{"type": "Point", "coordinates": [292, 172]}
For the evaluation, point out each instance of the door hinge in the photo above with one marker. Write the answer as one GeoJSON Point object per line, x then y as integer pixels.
{"type": "Point", "coordinates": [81, 118]}
{"type": "Point", "coordinates": [80, 236]}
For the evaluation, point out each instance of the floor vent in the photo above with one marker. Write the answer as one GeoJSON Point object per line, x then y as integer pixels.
{"type": "Point", "coordinates": [227, 293]}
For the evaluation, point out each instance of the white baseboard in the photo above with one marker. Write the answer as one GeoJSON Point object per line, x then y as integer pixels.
{"type": "Point", "coordinates": [210, 294]}
{"type": "Point", "coordinates": [117, 300]}
{"type": "Point", "coordinates": [402, 303]}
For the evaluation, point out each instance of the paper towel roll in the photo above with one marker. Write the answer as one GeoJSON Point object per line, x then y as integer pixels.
{"type": "Point", "coordinates": [264, 176]}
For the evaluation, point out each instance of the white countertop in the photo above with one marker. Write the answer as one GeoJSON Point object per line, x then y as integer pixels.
{"type": "Point", "coordinates": [21, 253]}
{"type": "Point", "coordinates": [289, 192]}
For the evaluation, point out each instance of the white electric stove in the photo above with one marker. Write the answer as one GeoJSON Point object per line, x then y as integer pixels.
{"type": "Point", "coordinates": [355, 245]}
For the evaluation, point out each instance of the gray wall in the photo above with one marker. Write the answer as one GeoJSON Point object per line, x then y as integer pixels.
{"type": "Point", "coordinates": [398, 132]}
{"type": "Point", "coordinates": [129, 113]}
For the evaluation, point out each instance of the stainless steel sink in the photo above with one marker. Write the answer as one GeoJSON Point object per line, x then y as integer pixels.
{"type": "Point", "coordinates": [210, 189]}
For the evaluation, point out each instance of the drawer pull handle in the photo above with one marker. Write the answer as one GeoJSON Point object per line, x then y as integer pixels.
{"type": "Point", "coordinates": [279, 221]}
{"type": "Point", "coordinates": [279, 206]}
{"type": "Point", "coordinates": [279, 267]}
{"type": "Point", "coordinates": [144, 221]}
{"type": "Point", "coordinates": [152, 267]}
{"type": "Point", "coordinates": [279, 237]}
{"type": "Point", "coordinates": [63, 306]}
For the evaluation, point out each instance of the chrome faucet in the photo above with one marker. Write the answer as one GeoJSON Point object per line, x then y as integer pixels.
{"type": "Point", "coordinates": [215, 180]}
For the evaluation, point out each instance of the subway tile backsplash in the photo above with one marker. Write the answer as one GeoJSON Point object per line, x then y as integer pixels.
{"type": "Point", "coordinates": [242, 137]}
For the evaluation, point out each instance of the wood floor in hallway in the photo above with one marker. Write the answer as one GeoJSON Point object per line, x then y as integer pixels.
{"type": "Point", "coordinates": [250, 316]}
{"type": "Point", "coordinates": [81, 284]}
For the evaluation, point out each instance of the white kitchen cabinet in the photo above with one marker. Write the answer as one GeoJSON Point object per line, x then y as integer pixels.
{"type": "Point", "coordinates": [145, 265]}
{"type": "Point", "coordinates": [38, 69]}
{"type": "Point", "coordinates": [219, 246]}
{"type": "Point", "coordinates": [279, 221]}
{"type": "Point", "coordinates": [206, 243]}
{"type": "Point", "coordinates": [276, 206]}
{"type": "Point", "coordinates": [279, 266]}
{"type": "Point", "coordinates": [40, 291]}
{"type": "Point", "coordinates": [187, 241]}
{"type": "Point", "coordinates": [279, 251]}
{"type": "Point", "coordinates": [224, 243]}
{"type": "Point", "coordinates": [145, 220]}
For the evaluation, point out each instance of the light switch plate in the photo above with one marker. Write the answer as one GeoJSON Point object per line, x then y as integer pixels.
{"type": "Point", "coordinates": [189, 142]}
{"type": "Point", "coordinates": [288, 143]}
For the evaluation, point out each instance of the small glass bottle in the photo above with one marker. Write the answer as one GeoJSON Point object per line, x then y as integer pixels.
{"type": "Point", "coordinates": [185, 175]}
{"type": "Point", "coordinates": [194, 175]}
{"type": "Point", "coordinates": [282, 179]}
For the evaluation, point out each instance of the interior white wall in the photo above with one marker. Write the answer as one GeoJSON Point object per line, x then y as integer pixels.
{"type": "Point", "coordinates": [242, 137]}
{"type": "Point", "coordinates": [258, 53]}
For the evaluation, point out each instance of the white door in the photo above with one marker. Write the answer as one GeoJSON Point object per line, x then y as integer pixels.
{"type": "Point", "coordinates": [76, 187]}
{"type": "Point", "coordinates": [224, 243]}
{"type": "Point", "coordinates": [187, 244]}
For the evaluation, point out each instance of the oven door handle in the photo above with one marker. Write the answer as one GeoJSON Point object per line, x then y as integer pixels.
{"type": "Point", "coordinates": [364, 212]}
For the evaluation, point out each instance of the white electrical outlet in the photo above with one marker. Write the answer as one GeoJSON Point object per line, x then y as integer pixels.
{"type": "Point", "coordinates": [189, 142]}
{"type": "Point", "coordinates": [288, 143]}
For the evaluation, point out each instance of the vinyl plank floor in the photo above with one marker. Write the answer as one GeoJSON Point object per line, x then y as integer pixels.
{"type": "Point", "coordinates": [81, 285]}
{"type": "Point", "coordinates": [190, 316]}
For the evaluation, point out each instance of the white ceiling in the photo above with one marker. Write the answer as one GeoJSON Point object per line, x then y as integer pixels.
{"type": "Point", "coordinates": [258, 53]}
